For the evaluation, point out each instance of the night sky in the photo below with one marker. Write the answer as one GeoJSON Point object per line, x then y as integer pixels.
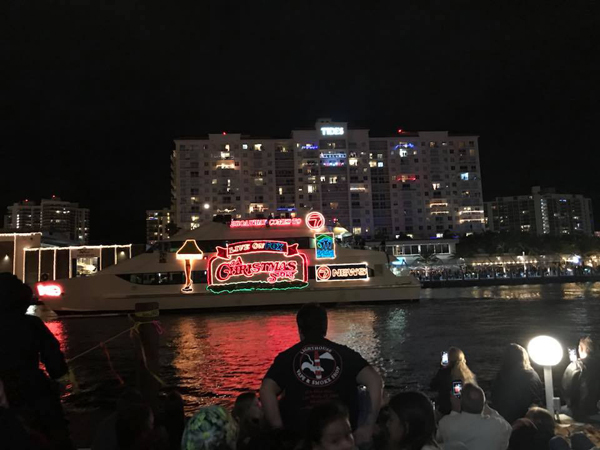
{"type": "Point", "coordinates": [96, 91]}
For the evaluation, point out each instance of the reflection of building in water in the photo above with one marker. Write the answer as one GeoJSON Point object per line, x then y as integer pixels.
{"type": "Point", "coordinates": [220, 356]}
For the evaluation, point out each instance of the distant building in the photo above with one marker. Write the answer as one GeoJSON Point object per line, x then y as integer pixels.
{"type": "Point", "coordinates": [156, 225]}
{"type": "Point", "coordinates": [416, 183]}
{"type": "Point", "coordinates": [543, 212]}
{"type": "Point", "coordinates": [54, 217]}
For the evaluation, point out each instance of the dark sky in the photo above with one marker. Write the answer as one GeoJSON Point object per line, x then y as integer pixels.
{"type": "Point", "coordinates": [97, 90]}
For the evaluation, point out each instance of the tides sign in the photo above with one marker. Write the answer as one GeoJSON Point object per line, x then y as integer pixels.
{"type": "Point", "coordinates": [257, 266]}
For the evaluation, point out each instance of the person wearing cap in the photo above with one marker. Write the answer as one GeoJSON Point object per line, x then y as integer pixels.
{"type": "Point", "coordinates": [24, 342]}
{"type": "Point", "coordinates": [211, 428]}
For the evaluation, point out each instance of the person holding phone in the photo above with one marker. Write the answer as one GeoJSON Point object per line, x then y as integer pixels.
{"type": "Point", "coordinates": [474, 424]}
{"type": "Point", "coordinates": [453, 367]}
{"type": "Point", "coordinates": [581, 382]}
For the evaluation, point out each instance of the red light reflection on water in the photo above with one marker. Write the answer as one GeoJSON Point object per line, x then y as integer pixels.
{"type": "Point", "coordinates": [223, 356]}
{"type": "Point", "coordinates": [218, 357]}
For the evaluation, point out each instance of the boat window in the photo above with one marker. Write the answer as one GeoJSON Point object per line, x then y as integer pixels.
{"type": "Point", "coordinates": [163, 278]}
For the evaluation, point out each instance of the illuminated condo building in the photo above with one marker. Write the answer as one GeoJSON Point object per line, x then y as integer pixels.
{"type": "Point", "coordinates": [419, 183]}
{"type": "Point", "coordinates": [541, 212]}
{"type": "Point", "coordinates": [157, 221]}
{"type": "Point", "coordinates": [54, 216]}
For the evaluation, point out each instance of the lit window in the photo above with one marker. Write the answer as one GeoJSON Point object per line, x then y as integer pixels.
{"type": "Point", "coordinates": [322, 178]}
{"type": "Point", "coordinates": [379, 163]}
{"type": "Point", "coordinates": [333, 180]}
{"type": "Point", "coordinates": [311, 188]}
{"type": "Point", "coordinates": [214, 181]}
{"type": "Point", "coordinates": [258, 147]}
{"type": "Point", "coordinates": [436, 186]}
{"type": "Point", "coordinates": [403, 153]}
{"type": "Point", "coordinates": [464, 176]}
{"type": "Point", "coordinates": [356, 230]}
{"type": "Point", "coordinates": [280, 191]}
{"type": "Point", "coordinates": [439, 235]}
{"type": "Point", "coordinates": [225, 155]}
{"type": "Point", "coordinates": [353, 161]}
{"type": "Point", "coordinates": [245, 146]}
{"type": "Point", "coordinates": [372, 163]}
{"type": "Point", "coordinates": [334, 205]}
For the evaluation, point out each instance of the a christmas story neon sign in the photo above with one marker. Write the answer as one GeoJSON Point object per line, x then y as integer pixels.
{"type": "Point", "coordinates": [257, 265]}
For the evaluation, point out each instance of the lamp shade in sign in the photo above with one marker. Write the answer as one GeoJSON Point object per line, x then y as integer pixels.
{"type": "Point", "coordinates": [189, 250]}
{"type": "Point", "coordinates": [545, 351]}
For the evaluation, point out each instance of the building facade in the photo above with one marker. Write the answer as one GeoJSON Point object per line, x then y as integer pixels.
{"type": "Point", "coordinates": [157, 221]}
{"type": "Point", "coordinates": [53, 216]}
{"type": "Point", "coordinates": [543, 212]}
{"type": "Point", "coordinates": [422, 184]}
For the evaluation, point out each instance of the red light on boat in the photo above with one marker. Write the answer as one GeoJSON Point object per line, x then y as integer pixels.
{"type": "Point", "coordinates": [49, 290]}
{"type": "Point", "coordinates": [224, 133]}
{"type": "Point", "coordinates": [400, 130]}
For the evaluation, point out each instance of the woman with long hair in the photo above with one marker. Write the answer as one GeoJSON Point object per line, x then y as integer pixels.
{"type": "Point", "coordinates": [456, 369]}
{"type": "Point", "coordinates": [411, 424]}
{"type": "Point", "coordinates": [517, 385]}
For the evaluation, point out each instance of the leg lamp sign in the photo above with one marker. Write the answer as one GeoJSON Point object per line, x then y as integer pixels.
{"type": "Point", "coordinates": [257, 265]}
{"type": "Point", "coordinates": [189, 252]}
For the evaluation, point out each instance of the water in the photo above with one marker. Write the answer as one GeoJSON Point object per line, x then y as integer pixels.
{"type": "Point", "coordinates": [211, 357]}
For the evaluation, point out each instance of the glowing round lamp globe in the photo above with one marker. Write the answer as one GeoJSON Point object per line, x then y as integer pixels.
{"type": "Point", "coordinates": [545, 351]}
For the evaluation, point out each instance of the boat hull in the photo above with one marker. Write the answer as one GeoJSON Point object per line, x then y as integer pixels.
{"type": "Point", "coordinates": [94, 294]}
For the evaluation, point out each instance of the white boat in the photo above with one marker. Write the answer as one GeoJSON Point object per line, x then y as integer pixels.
{"type": "Point", "coordinates": [243, 263]}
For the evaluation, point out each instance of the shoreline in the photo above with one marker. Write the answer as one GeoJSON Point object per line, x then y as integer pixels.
{"type": "Point", "coordinates": [428, 284]}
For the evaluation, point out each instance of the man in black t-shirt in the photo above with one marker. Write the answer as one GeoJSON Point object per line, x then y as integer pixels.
{"type": "Point", "coordinates": [315, 371]}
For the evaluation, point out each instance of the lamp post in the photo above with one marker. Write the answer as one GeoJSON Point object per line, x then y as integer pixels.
{"type": "Point", "coordinates": [547, 352]}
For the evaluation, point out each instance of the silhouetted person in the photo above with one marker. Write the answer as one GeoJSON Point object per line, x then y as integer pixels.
{"type": "Point", "coordinates": [24, 341]}
{"type": "Point", "coordinates": [517, 385]}
{"type": "Point", "coordinates": [581, 381]}
{"type": "Point", "coordinates": [316, 371]}
{"type": "Point", "coordinates": [456, 369]}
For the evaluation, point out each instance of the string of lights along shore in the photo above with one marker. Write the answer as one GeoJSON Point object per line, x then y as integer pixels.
{"type": "Point", "coordinates": [422, 184]}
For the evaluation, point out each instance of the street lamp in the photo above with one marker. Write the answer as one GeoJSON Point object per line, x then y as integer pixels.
{"type": "Point", "coordinates": [547, 352]}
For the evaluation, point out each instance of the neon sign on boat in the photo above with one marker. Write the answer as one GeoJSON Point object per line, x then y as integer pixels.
{"type": "Point", "coordinates": [49, 290]}
{"type": "Point", "coordinates": [253, 223]}
{"type": "Point", "coordinates": [189, 252]}
{"type": "Point", "coordinates": [241, 267]}
{"type": "Point", "coordinates": [342, 272]}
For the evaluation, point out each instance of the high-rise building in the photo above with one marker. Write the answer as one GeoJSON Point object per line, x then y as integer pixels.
{"type": "Point", "coordinates": [419, 183]}
{"type": "Point", "coordinates": [53, 216]}
{"type": "Point", "coordinates": [543, 212]}
{"type": "Point", "coordinates": [157, 221]}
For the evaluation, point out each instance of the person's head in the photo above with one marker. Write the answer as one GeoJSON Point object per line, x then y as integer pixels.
{"type": "Point", "coordinates": [455, 356]}
{"type": "Point", "coordinates": [523, 436]}
{"type": "Point", "coordinates": [312, 321]}
{"type": "Point", "coordinates": [515, 358]}
{"type": "Point", "coordinates": [135, 421]}
{"type": "Point", "coordinates": [542, 419]}
{"type": "Point", "coordinates": [472, 399]}
{"type": "Point", "coordinates": [247, 408]}
{"type": "Point", "coordinates": [15, 297]}
{"type": "Point", "coordinates": [329, 428]}
{"type": "Point", "coordinates": [411, 423]}
{"type": "Point", "coordinates": [211, 428]}
{"type": "Point", "coordinates": [458, 365]}
{"type": "Point", "coordinates": [586, 347]}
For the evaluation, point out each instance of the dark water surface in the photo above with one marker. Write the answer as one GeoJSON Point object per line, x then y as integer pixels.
{"type": "Point", "coordinates": [211, 357]}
